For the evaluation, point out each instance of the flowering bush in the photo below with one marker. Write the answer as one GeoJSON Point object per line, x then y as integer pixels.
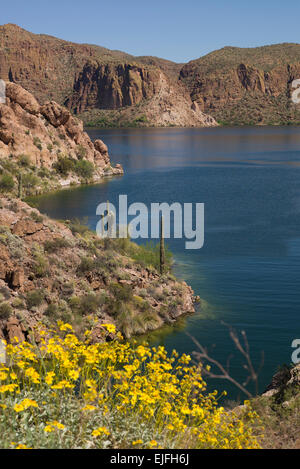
{"type": "Point", "coordinates": [66, 393]}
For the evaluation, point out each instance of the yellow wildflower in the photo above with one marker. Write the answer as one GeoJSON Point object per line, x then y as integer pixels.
{"type": "Point", "coordinates": [25, 404]}
{"type": "Point", "coordinates": [52, 426]}
{"type": "Point", "coordinates": [137, 442]}
{"type": "Point", "coordinates": [109, 327]}
{"type": "Point", "coordinates": [100, 431]}
{"type": "Point", "coordinates": [89, 407]}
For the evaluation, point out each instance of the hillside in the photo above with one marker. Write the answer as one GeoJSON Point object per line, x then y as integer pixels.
{"type": "Point", "coordinates": [51, 271]}
{"type": "Point", "coordinates": [246, 85]}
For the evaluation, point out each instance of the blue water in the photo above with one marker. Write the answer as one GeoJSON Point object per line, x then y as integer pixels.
{"type": "Point", "coordinates": [247, 273]}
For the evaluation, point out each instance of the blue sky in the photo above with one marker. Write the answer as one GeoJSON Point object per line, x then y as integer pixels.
{"type": "Point", "coordinates": [178, 30]}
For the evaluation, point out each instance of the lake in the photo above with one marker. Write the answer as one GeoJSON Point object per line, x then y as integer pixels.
{"type": "Point", "coordinates": [247, 273]}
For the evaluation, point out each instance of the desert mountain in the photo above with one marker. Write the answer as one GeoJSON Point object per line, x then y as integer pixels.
{"type": "Point", "coordinates": [246, 86]}
{"type": "Point", "coordinates": [111, 88]}
{"type": "Point", "coordinates": [137, 90]}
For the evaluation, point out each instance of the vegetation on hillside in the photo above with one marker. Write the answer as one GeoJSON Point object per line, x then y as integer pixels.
{"type": "Point", "coordinates": [66, 272]}
{"type": "Point", "coordinates": [264, 57]}
{"type": "Point", "coordinates": [121, 118]}
{"type": "Point", "coordinates": [280, 416]}
{"type": "Point", "coordinates": [36, 180]}
{"type": "Point", "coordinates": [255, 109]}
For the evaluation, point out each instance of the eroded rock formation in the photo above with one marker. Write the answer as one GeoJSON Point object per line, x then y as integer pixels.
{"type": "Point", "coordinates": [45, 132]}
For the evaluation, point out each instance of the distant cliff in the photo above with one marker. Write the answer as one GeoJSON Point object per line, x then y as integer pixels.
{"type": "Point", "coordinates": [111, 88]}
{"type": "Point", "coordinates": [91, 78]}
{"type": "Point", "coordinates": [246, 86]}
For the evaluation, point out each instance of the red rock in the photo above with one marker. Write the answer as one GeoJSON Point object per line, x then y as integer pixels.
{"type": "Point", "coordinates": [55, 114]}
{"type": "Point", "coordinates": [15, 278]}
{"type": "Point", "coordinates": [25, 227]}
{"type": "Point", "coordinates": [14, 330]}
{"type": "Point", "coordinates": [19, 95]}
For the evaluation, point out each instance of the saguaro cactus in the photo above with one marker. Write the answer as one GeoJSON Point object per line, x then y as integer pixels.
{"type": "Point", "coordinates": [162, 246]}
{"type": "Point", "coordinates": [20, 186]}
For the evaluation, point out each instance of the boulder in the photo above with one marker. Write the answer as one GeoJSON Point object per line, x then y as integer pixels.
{"type": "Point", "coordinates": [55, 114]}
{"type": "Point", "coordinates": [25, 227]}
{"type": "Point", "coordinates": [15, 279]}
{"type": "Point", "coordinates": [14, 330]}
{"type": "Point", "coordinates": [19, 95]}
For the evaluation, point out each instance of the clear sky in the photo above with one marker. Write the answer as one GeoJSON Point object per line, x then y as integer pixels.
{"type": "Point", "coordinates": [178, 30]}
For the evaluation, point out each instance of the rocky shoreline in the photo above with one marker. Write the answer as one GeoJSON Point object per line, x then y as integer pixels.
{"type": "Point", "coordinates": [52, 271]}
{"type": "Point", "coordinates": [46, 146]}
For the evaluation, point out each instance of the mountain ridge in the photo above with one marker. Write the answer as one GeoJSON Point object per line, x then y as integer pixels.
{"type": "Point", "coordinates": [232, 85]}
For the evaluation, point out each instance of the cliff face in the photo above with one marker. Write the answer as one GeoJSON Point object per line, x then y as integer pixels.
{"type": "Point", "coordinates": [112, 86]}
{"type": "Point", "coordinates": [171, 105]}
{"type": "Point", "coordinates": [44, 133]}
{"type": "Point", "coordinates": [246, 85]}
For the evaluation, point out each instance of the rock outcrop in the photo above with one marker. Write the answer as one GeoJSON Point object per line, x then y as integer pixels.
{"type": "Point", "coordinates": [172, 106]}
{"type": "Point", "coordinates": [44, 133]}
{"type": "Point", "coordinates": [285, 379]}
{"type": "Point", "coordinates": [112, 86]}
{"type": "Point", "coordinates": [232, 85]}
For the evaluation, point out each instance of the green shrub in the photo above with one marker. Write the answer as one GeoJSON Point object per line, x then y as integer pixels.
{"type": "Point", "coordinates": [24, 161]}
{"type": "Point", "coordinates": [89, 303]}
{"type": "Point", "coordinates": [84, 169]}
{"type": "Point", "coordinates": [86, 265]}
{"type": "Point", "coordinates": [18, 303]}
{"type": "Point", "coordinates": [86, 304]}
{"type": "Point", "coordinates": [64, 165]}
{"type": "Point", "coordinates": [67, 289]}
{"type": "Point", "coordinates": [44, 173]}
{"type": "Point", "coordinates": [147, 255]}
{"type": "Point", "coordinates": [81, 152]}
{"type": "Point", "coordinates": [52, 311]}
{"type": "Point", "coordinates": [141, 119]}
{"type": "Point", "coordinates": [41, 266]}
{"type": "Point", "coordinates": [56, 244]}
{"type": "Point", "coordinates": [37, 142]}
{"type": "Point", "coordinates": [36, 217]}
{"type": "Point", "coordinates": [77, 226]}
{"type": "Point", "coordinates": [30, 180]}
{"type": "Point", "coordinates": [5, 311]}
{"type": "Point", "coordinates": [35, 298]}
{"type": "Point", "coordinates": [6, 183]}
{"type": "Point", "coordinates": [121, 292]}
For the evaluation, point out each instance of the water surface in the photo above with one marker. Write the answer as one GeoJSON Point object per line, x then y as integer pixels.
{"type": "Point", "coordinates": [247, 273]}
